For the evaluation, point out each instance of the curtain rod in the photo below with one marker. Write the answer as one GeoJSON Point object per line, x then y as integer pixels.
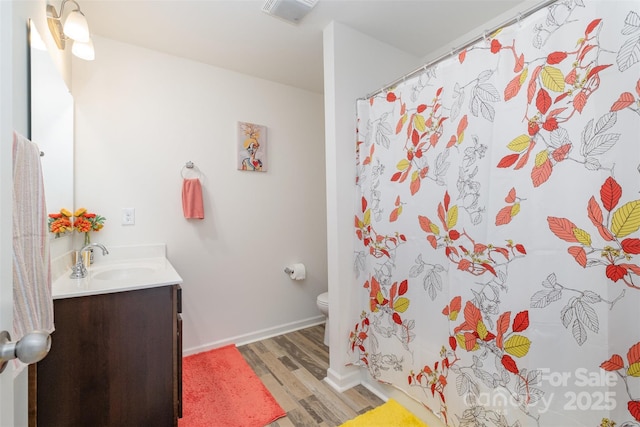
{"type": "Point", "coordinates": [511, 21]}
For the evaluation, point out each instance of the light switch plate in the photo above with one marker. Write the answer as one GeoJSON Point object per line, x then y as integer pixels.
{"type": "Point", "coordinates": [128, 216]}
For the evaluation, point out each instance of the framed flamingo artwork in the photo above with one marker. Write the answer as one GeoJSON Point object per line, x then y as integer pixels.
{"type": "Point", "coordinates": [252, 147]}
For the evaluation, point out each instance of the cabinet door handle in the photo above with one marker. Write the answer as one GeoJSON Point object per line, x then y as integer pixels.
{"type": "Point", "coordinates": [31, 348]}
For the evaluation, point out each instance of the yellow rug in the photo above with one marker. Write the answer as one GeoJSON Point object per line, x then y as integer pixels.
{"type": "Point", "coordinates": [389, 414]}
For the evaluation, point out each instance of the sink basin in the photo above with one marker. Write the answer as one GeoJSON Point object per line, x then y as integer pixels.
{"type": "Point", "coordinates": [123, 273]}
{"type": "Point", "coordinates": [126, 268]}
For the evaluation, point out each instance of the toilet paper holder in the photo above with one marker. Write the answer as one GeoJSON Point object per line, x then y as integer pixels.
{"type": "Point", "coordinates": [296, 271]}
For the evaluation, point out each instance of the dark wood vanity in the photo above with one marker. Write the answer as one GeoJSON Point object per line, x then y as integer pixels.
{"type": "Point", "coordinates": [115, 360]}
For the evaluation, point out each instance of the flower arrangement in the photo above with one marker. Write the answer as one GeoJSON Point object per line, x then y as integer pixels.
{"type": "Point", "coordinates": [85, 222]}
{"type": "Point", "coordinates": [60, 222]}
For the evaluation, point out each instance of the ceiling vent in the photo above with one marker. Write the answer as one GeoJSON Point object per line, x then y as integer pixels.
{"type": "Point", "coordinates": [289, 10]}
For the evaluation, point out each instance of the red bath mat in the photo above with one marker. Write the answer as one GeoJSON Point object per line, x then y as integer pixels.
{"type": "Point", "coordinates": [220, 389]}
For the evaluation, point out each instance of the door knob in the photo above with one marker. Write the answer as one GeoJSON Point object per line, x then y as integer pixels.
{"type": "Point", "coordinates": [32, 348]}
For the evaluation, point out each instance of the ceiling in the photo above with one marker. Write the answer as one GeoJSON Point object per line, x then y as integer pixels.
{"type": "Point", "coordinates": [237, 35]}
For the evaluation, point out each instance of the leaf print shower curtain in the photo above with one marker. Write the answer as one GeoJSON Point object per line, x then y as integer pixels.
{"type": "Point", "coordinates": [497, 229]}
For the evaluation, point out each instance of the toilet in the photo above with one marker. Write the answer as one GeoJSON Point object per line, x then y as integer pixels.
{"type": "Point", "coordinates": [323, 305]}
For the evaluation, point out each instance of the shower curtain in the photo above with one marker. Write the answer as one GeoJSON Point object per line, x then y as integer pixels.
{"type": "Point", "coordinates": [497, 244]}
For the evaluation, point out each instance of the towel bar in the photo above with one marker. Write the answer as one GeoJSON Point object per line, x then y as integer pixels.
{"type": "Point", "coordinates": [189, 165]}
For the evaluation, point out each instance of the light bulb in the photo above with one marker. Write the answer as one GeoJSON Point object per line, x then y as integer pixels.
{"type": "Point", "coordinates": [84, 50]}
{"type": "Point", "coordinates": [76, 27]}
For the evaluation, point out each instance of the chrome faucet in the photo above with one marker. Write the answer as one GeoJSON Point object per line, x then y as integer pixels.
{"type": "Point", "coordinates": [79, 271]}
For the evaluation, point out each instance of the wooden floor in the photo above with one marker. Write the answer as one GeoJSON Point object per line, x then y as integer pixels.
{"type": "Point", "coordinates": [292, 367]}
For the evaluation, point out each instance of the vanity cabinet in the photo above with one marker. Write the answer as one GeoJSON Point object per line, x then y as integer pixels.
{"type": "Point", "coordinates": [115, 360]}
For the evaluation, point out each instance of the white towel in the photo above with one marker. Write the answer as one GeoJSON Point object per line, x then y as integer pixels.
{"type": "Point", "coordinates": [32, 300]}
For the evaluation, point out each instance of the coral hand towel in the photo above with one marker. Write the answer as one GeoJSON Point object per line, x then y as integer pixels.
{"type": "Point", "coordinates": [192, 199]}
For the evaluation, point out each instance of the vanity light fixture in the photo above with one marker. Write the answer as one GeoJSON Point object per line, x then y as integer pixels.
{"type": "Point", "coordinates": [75, 29]}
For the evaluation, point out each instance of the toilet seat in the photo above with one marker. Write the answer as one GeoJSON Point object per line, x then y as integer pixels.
{"type": "Point", "coordinates": [323, 299]}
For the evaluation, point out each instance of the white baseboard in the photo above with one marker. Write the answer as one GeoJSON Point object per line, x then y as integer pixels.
{"type": "Point", "coordinates": [341, 383]}
{"type": "Point", "coordinates": [257, 335]}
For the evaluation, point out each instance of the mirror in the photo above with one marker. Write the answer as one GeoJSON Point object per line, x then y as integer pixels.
{"type": "Point", "coordinates": [51, 124]}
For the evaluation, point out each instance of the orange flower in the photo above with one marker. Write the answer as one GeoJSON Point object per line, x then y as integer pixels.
{"type": "Point", "coordinates": [60, 225]}
{"type": "Point", "coordinates": [87, 221]}
{"type": "Point", "coordinates": [59, 222]}
{"type": "Point", "coordinates": [84, 221]}
{"type": "Point", "coordinates": [82, 224]}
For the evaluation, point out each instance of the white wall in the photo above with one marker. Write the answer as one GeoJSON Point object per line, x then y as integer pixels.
{"type": "Point", "coordinates": [140, 116]}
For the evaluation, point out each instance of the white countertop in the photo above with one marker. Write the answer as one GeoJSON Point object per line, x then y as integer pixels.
{"type": "Point", "coordinates": [125, 268]}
